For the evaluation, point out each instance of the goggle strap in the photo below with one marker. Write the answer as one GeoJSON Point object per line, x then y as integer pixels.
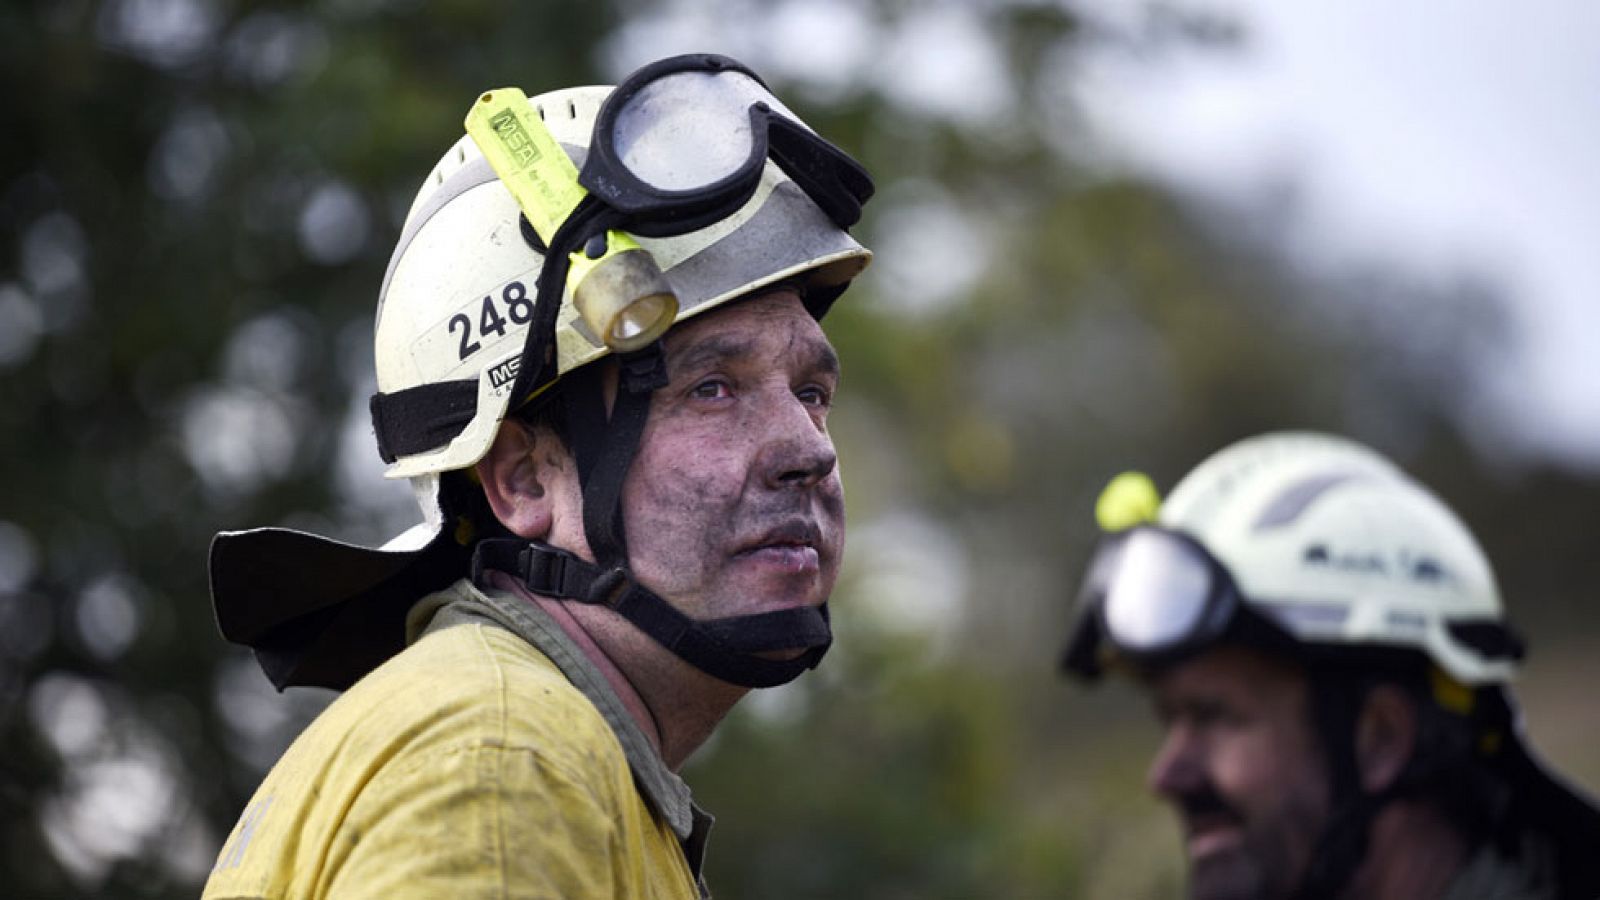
{"type": "Point", "coordinates": [1248, 624]}
{"type": "Point", "coordinates": [1490, 639]}
{"type": "Point", "coordinates": [834, 181]}
{"type": "Point", "coordinates": [1082, 656]}
{"type": "Point", "coordinates": [530, 236]}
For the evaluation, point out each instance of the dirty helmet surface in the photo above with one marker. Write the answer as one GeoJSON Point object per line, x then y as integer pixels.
{"type": "Point", "coordinates": [471, 326]}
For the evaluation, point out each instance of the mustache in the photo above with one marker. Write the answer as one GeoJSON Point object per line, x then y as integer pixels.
{"type": "Point", "coordinates": [1205, 804]}
{"type": "Point", "coordinates": [776, 510]}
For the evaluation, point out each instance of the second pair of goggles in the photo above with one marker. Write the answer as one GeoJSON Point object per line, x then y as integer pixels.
{"type": "Point", "coordinates": [678, 145]}
{"type": "Point", "coordinates": [1154, 595]}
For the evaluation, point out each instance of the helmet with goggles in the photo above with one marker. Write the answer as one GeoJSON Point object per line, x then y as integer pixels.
{"type": "Point", "coordinates": [1317, 549]}
{"type": "Point", "coordinates": [561, 230]}
{"type": "Point", "coordinates": [1297, 540]}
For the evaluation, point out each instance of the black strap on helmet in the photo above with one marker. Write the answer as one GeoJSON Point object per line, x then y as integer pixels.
{"type": "Point", "coordinates": [722, 648]}
{"type": "Point", "coordinates": [1339, 688]}
{"type": "Point", "coordinates": [604, 446]}
{"type": "Point", "coordinates": [1342, 845]}
{"type": "Point", "coordinates": [422, 418]}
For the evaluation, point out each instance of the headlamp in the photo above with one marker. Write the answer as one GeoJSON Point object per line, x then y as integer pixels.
{"type": "Point", "coordinates": [1153, 595]}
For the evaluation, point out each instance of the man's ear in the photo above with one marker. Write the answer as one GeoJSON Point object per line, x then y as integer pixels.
{"type": "Point", "coordinates": [1386, 736]}
{"type": "Point", "coordinates": [517, 476]}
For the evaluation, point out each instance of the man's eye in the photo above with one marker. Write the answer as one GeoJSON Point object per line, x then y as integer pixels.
{"type": "Point", "coordinates": [1222, 717]}
{"type": "Point", "coordinates": [1202, 715]}
{"type": "Point", "coordinates": [814, 395]}
{"type": "Point", "coordinates": [711, 389]}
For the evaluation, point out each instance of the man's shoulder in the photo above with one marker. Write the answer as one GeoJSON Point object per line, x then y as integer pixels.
{"type": "Point", "coordinates": [466, 689]}
{"type": "Point", "coordinates": [468, 658]}
{"type": "Point", "coordinates": [433, 745]}
{"type": "Point", "coordinates": [468, 684]}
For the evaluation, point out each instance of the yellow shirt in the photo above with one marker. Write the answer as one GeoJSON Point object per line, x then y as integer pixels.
{"type": "Point", "coordinates": [469, 765]}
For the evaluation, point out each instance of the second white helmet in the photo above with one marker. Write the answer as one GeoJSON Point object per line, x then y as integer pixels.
{"type": "Point", "coordinates": [1339, 546]}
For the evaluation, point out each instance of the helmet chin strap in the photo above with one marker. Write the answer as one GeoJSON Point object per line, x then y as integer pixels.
{"type": "Point", "coordinates": [1341, 847]}
{"type": "Point", "coordinates": [723, 648]}
{"type": "Point", "coordinates": [604, 448]}
{"type": "Point", "coordinates": [1346, 835]}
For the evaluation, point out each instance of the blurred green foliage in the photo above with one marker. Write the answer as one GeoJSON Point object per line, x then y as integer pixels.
{"type": "Point", "coordinates": [197, 201]}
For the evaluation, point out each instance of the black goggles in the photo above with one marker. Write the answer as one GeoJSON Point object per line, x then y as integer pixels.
{"type": "Point", "coordinates": [1154, 596]}
{"type": "Point", "coordinates": [681, 143]}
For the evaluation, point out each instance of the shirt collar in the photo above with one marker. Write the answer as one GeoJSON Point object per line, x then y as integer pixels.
{"type": "Point", "coordinates": [667, 793]}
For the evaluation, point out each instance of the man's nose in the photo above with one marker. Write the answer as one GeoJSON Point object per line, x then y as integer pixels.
{"type": "Point", "coordinates": [1179, 766]}
{"type": "Point", "coordinates": [797, 451]}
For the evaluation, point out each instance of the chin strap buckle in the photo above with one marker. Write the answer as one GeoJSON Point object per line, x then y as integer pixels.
{"type": "Point", "coordinates": [541, 568]}
{"type": "Point", "coordinates": [552, 572]}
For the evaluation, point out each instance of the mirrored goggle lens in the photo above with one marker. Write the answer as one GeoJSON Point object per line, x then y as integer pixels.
{"type": "Point", "coordinates": [1157, 592]}
{"type": "Point", "coordinates": [688, 130]}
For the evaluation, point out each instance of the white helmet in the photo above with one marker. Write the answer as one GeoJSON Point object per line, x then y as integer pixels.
{"type": "Point", "coordinates": [453, 333]}
{"type": "Point", "coordinates": [1339, 546]}
{"type": "Point", "coordinates": [1322, 539]}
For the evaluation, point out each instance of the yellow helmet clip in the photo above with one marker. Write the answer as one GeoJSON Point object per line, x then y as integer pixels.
{"type": "Point", "coordinates": [629, 303]}
{"type": "Point", "coordinates": [1129, 499]}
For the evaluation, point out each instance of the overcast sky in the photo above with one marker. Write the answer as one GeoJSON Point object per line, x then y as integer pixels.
{"type": "Point", "coordinates": [1463, 133]}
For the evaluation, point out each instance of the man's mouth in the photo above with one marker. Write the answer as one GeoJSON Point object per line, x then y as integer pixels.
{"type": "Point", "coordinates": [1210, 824]}
{"type": "Point", "coordinates": [1210, 833]}
{"type": "Point", "coordinates": [791, 545]}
